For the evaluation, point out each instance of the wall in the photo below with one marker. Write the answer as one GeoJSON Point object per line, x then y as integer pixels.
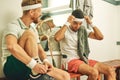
{"type": "Point", "coordinates": [118, 28]}
{"type": "Point", "coordinates": [106, 18]}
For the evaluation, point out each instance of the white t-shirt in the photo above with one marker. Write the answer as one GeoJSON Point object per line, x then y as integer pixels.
{"type": "Point", "coordinates": [68, 45]}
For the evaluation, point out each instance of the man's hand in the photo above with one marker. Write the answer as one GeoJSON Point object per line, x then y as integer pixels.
{"type": "Point", "coordinates": [71, 19]}
{"type": "Point", "coordinates": [40, 68]}
{"type": "Point", "coordinates": [48, 65]}
{"type": "Point", "coordinates": [88, 19]}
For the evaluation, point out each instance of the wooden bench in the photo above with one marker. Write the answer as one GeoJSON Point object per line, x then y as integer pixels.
{"type": "Point", "coordinates": [116, 64]}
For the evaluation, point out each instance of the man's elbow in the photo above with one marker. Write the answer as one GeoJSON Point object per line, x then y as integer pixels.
{"type": "Point", "coordinates": [100, 37]}
{"type": "Point", "coordinates": [56, 39]}
{"type": "Point", "coordinates": [11, 47]}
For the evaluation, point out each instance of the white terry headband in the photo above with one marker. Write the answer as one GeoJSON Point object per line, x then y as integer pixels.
{"type": "Point", "coordinates": [79, 20]}
{"type": "Point", "coordinates": [48, 19]}
{"type": "Point", "coordinates": [31, 7]}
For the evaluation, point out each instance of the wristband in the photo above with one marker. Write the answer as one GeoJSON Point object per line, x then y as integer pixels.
{"type": "Point", "coordinates": [67, 24]}
{"type": "Point", "coordinates": [92, 25]}
{"type": "Point", "coordinates": [45, 60]}
{"type": "Point", "coordinates": [32, 64]}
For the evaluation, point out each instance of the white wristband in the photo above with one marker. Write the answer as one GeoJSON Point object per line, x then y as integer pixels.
{"type": "Point", "coordinates": [67, 24]}
{"type": "Point", "coordinates": [45, 60]}
{"type": "Point", "coordinates": [92, 25]}
{"type": "Point", "coordinates": [32, 64]}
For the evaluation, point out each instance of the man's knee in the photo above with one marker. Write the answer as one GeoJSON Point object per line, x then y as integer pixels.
{"type": "Point", "coordinates": [29, 34]}
{"type": "Point", "coordinates": [94, 73]}
{"type": "Point", "coordinates": [66, 76]}
{"type": "Point", "coordinates": [110, 70]}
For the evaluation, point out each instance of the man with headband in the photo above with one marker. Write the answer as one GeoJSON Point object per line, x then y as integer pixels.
{"type": "Point", "coordinates": [23, 56]}
{"type": "Point", "coordinates": [73, 39]}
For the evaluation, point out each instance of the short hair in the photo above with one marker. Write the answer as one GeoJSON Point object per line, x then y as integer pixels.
{"type": "Point", "coordinates": [78, 13]}
{"type": "Point", "coordinates": [30, 2]}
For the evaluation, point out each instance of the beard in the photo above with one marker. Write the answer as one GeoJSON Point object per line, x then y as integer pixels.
{"type": "Point", "coordinates": [74, 29]}
{"type": "Point", "coordinates": [36, 20]}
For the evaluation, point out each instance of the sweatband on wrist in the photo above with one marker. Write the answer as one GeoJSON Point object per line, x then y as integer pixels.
{"type": "Point", "coordinates": [67, 24]}
{"type": "Point", "coordinates": [45, 60]}
{"type": "Point", "coordinates": [32, 64]}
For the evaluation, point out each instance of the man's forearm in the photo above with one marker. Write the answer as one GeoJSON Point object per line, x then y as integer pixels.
{"type": "Point", "coordinates": [97, 33]}
{"type": "Point", "coordinates": [60, 34]}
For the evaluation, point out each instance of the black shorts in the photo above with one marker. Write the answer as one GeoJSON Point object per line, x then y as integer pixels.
{"type": "Point", "coordinates": [15, 69]}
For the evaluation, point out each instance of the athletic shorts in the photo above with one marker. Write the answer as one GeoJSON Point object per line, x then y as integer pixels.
{"type": "Point", "coordinates": [15, 69]}
{"type": "Point", "coordinates": [73, 65]}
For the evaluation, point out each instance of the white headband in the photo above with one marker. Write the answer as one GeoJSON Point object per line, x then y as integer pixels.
{"type": "Point", "coordinates": [79, 20]}
{"type": "Point", "coordinates": [31, 7]}
{"type": "Point", "coordinates": [48, 19]}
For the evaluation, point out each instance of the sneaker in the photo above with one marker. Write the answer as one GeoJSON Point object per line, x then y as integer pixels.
{"type": "Point", "coordinates": [40, 77]}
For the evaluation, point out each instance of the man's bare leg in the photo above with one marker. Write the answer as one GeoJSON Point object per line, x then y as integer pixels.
{"type": "Point", "coordinates": [59, 74]}
{"type": "Point", "coordinates": [28, 42]}
{"type": "Point", "coordinates": [108, 71]}
{"type": "Point", "coordinates": [91, 72]}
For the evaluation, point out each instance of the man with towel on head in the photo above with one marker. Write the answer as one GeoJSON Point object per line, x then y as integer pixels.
{"type": "Point", "coordinates": [73, 39]}
{"type": "Point", "coordinates": [23, 56]}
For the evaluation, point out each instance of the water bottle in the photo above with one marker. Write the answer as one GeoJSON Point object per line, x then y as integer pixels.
{"type": "Point", "coordinates": [64, 62]}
